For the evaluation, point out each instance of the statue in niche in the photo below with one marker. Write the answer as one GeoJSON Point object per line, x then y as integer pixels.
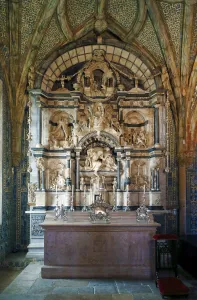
{"type": "Point", "coordinates": [61, 131]}
{"type": "Point", "coordinates": [60, 181]}
{"type": "Point", "coordinates": [57, 178]}
{"type": "Point", "coordinates": [97, 78]}
{"type": "Point", "coordinates": [97, 116]}
{"type": "Point", "coordinates": [114, 184]}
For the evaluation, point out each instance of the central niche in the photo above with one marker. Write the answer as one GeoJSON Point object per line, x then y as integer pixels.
{"type": "Point", "coordinates": [97, 78]}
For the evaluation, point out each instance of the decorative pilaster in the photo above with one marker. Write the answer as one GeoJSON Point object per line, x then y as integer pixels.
{"type": "Point", "coordinates": [43, 180]}
{"type": "Point", "coordinates": [156, 131]}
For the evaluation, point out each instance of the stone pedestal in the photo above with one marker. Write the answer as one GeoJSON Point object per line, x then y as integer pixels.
{"type": "Point", "coordinates": [36, 246]}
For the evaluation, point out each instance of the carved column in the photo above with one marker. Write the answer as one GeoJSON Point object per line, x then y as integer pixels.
{"type": "Point", "coordinates": [77, 174]}
{"type": "Point", "coordinates": [43, 180]}
{"type": "Point", "coordinates": [68, 178]}
{"type": "Point", "coordinates": [38, 179]}
{"type": "Point", "coordinates": [153, 179]}
{"type": "Point", "coordinates": [157, 179]}
{"type": "Point", "coordinates": [118, 174]}
{"type": "Point", "coordinates": [127, 168]}
{"type": "Point", "coordinates": [77, 170]}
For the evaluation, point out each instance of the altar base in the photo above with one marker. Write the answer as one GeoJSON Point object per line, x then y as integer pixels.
{"type": "Point", "coordinates": [79, 249]}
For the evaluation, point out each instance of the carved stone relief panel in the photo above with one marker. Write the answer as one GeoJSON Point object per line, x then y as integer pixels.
{"type": "Point", "coordinates": [138, 128]}
{"type": "Point", "coordinates": [140, 174]}
{"type": "Point", "coordinates": [56, 174]}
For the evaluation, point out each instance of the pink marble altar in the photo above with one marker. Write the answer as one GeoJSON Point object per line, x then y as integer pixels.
{"type": "Point", "coordinates": [79, 249]}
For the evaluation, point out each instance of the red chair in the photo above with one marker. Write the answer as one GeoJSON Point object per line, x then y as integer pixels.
{"type": "Point", "coordinates": [166, 259]}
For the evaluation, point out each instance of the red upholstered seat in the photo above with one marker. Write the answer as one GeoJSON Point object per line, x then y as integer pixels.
{"type": "Point", "coordinates": [172, 286]}
{"type": "Point", "coordinates": [165, 237]}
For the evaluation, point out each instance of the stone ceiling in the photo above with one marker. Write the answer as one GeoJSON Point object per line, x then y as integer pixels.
{"type": "Point", "coordinates": [162, 32]}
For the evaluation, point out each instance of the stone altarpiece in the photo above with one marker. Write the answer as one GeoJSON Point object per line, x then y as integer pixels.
{"type": "Point", "coordinates": [106, 130]}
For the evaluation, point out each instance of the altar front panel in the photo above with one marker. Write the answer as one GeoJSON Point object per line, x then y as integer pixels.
{"type": "Point", "coordinates": [84, 250]}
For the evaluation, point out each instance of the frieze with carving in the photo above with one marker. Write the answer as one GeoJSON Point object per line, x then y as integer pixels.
{"type": "Point", "coordinates": [36, 229]}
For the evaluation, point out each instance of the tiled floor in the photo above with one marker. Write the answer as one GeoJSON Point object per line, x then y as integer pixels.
{"type": "Point", "coordinates": [28, 285]}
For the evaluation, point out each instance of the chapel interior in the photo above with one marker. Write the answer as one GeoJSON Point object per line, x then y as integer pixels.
{"type": "Point", "coordinates": [98, 102]}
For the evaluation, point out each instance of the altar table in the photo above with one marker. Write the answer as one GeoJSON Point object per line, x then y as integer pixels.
{"type": "Point", "coordinates": [79, 249]}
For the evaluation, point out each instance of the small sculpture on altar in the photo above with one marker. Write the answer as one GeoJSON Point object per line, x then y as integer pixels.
{"type": "Point", "coordinates": [142, 214]}
{"type": "Point", "coordinates": [60, 212]}
{"type": "Point", "coordinates": [99, 211]}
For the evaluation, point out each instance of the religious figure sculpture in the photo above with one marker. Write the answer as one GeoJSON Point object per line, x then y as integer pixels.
{"type": "Point", "coordinates": [97, 116]}
{"type": "Point", "coordinates": [60, 181]}
{"type": "Point", "coordinates": [114, 184]}
{"type": "Point", "coordinates": [60, 136]}
{"type": "Point", "coordinates": [140, 139]}
{"type": "Point", "coordinates": [99, 158]}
